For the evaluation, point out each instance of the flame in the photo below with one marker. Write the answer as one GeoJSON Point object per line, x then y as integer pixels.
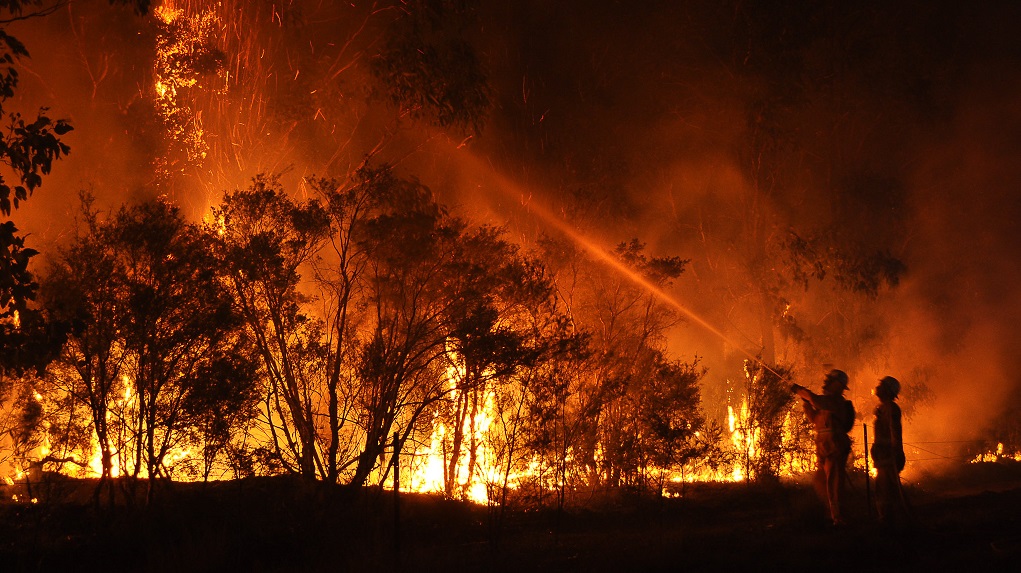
{"type": "Point", "coordinates": [95, 466]}
{"type": "Point", "coordinates": [217, 222]}
{"type": "Point", "coordinates": [181, 35]}
{"type": "Point", "coordinates": [427, 466]}
{"type": "Point", "coordinates": [743, 439]}
{"type": "Point", "coordinates": [167, 13]}
{"type": "Point", "coordinates": [428, 476]}
{"type": "Point", "coordinates": [431, 464]}
{"type": "Point", "coordinates": [996, 456]}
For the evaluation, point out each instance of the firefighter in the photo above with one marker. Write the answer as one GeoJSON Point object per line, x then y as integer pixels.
{"type": "Point", "coordinates": [832, 416]}
{"type": "Point", "coordinates": [887, 449]}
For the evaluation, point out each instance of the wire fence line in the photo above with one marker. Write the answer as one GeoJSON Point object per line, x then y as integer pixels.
{"type": "Point", "coordinates": [937, 456]}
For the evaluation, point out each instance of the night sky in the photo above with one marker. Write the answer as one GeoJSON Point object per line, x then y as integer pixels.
{"type": "Point", "coordinates": [709, 130]}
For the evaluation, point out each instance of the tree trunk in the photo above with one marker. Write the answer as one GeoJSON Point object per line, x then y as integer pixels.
{"type": "Point", "coordinates": [473, 446]}
{"type": "Point", "coordinates": [460, 412]}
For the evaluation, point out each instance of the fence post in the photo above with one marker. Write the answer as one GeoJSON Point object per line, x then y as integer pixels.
{"type": "Point", "coordinates": [397, 494]}
{"type": "Point", "coordinates": [868, 478]}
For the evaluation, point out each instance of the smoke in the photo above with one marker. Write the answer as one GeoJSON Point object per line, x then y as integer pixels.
{"type": "Point", "coordinates": [641, 114]}
{"type": "Point", "coordinates": [959, 312]}
{"type": "Point", "coordinates": [634, 121]}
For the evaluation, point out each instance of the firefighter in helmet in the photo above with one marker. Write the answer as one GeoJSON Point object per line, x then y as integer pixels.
{"type": "Point", "coordinates": [887, 448]}
{"type": "Point", "coordinates": [832, 417]}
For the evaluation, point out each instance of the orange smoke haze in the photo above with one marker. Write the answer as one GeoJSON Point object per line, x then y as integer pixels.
{"type": "Point", "coordinates": [611, 123]}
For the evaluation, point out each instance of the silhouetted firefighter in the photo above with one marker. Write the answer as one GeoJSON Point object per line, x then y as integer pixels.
{"type": "Point", "coordinates": [888, 450]}
{"type": "Point", "coordinates": [833, 417]}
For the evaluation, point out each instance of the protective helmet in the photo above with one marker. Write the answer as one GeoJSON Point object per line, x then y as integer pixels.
{"type": "Point", "coordinates": [890, 385]}
{"type": "Point", "coordinates": [837, 376]}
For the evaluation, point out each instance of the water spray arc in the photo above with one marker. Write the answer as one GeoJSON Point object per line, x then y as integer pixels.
{"type": "Point", "coordinates": [514, 191]}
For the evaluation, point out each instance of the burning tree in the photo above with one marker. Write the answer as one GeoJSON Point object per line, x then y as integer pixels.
{"type": "Point", "coordinates": [768, 435]}
{"type": "Point", "coordinates": [264, 239]}
{"type": "Point", "coordinates": [422, 290]}
{"type": "Point", "coordinates": [154, 351]}
{"type": "Point", "coordinates": [608, 404]}
{"type": "Point", "coordinates": [674, 431]}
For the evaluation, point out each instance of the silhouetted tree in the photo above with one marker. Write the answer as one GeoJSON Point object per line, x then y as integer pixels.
{"type": "Point", "coordinates": [224, 401]}
{"type": "Point", "coordinates": [628, 324]}
{"type": "Point", "coordinates": [341, 278]}
{"type": "Point", "coordinates": [819, 207]}
{"type": "Point", "coordinates": [433, 286]}
{"type": "Point", "coordinates": [154, 351]}
{"type": "Point", "coordinates": [493, 338]}
{"type": "Point", "coordinates": [672, 427]}
{"type": "Point", "coordinates": [28, 150]}
{"type": "Point", "coordinates": [413, 242]}
{"type": "Point", "coordinates": [84, 287]}
{"type": "Point", "coordinates": [596, 410]}
{"type": "Point", "coordinates": [524, 426]}
{"type": "Point", "coordinates": [428, 67]}
{"type": "Point", "coordinates": [265, 239]}
{"type": "Point", "coordinates": [179, 319]}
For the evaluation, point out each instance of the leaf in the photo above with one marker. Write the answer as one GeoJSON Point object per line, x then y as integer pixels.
{"type": "Point", "coordinates": [16, 47]}
{"type": "Point", "coordinates": [62, 127]}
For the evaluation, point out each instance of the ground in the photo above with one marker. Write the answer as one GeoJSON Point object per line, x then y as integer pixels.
{"type": "Point", "coordinates": [967, 520]}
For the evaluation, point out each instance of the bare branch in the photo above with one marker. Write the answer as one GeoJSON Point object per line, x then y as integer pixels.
{"type": "Point", "coordinates": [41, 12]}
